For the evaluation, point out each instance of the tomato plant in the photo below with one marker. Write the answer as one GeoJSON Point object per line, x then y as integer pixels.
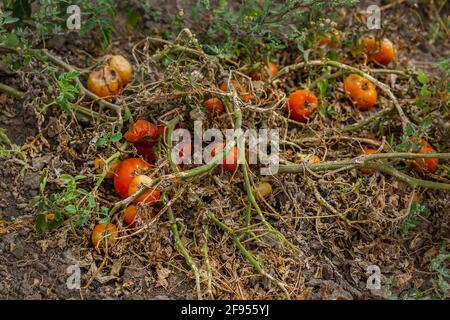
{"type": "Point", "coordinates": [267, 71]}
{"type": "Point", "coordinates": [127, 169]}
{"type": "Point", "coordinates": [361, 91]}
{"type": "Point", "coordinates": [301, 104]}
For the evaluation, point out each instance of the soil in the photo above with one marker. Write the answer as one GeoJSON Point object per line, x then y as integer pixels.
{"type": "Point", "coordinates": [37, 268]}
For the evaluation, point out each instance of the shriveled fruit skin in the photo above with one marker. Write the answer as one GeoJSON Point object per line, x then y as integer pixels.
{"type": "Point", "coordinates": [214, 105]}
{"type": "Point", "coordinates": [126, 171]}
{"type": "Point", "coordinates": [123, 68]}
{"type": "Point", "coordinates": [361, 91]}
{"type": "Point", "coordinates": [105, 83]}
{"type": "Point", "coordinates": [230, 162]}
{"type": "Point", "coordinates": [104, 233]}
{"type": "Point", "coordinates": [368, 152]}
{"type": "Point", "coordinates": [149, 197]}
{"type": "Point", "coordinates": [301, 104]}
{"type": "Point", "coordinates": [379, 51]}
{"type": "Point", "coordinates": [424, 165]}
{"type": "Point", "coordinates": [142, 129]}
{"type": "Point", "coordinates": [263, 189]}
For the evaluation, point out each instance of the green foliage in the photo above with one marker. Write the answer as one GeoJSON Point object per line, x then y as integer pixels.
{"type": "Point", "coordinates": [73, 203]}
{"type": "Point", "coordinates": [49, 18]}
{"type": "Point", "coordinates": [412, 220]}
{"type": "Point", "coordinates": [68, 89]}
{"type": "Point", "coordinates": [255, 30]}
{"type": "Point", "coordinates": [108, 138]}
{"type": "Point", "coordinates": [440, 265]}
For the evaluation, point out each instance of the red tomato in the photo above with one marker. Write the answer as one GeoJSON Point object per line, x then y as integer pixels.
{"type": "Point", "coordinates": [141, 129]}
{"type": "Point", "coordinates": [301, 104]}
{"type": "Point", "coordinates": [367, 152]}
{"type": "Point", "coordinates": [127, 169]}
{"type": "Point", "coordinates": [214, 105]}
{"type": "Point", "coordinates": [240, 89]}
{"type": "Point", "coordinates": [425, 165]}
{"type": "Point", "coordinates": [230, 163]}
{"type": "Point", "coordinates": [379, 51]}
{"type": "Point", "coordinates": [149, 197]}
{"type": "Point", "coordinates": [103, 233]}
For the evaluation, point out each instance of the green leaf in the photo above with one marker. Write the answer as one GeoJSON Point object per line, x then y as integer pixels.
{"type": "Point", "coordinates": [70, 209]}
{"type": "Point", "coordinates": [21, 9]}
{"type": "Point", "coordinates": [91, 202]}
{"type": "Point", "coordinates": [422, 76]}
{"type": "Point", "coordinates": [101, 141]}
{"type": "Point", "coordinates": [323, 86]}
{"type": "Point", "coordinates": [116, 137]}
{"type": "Point", "coordinates": [41, 224]}
{"type": "Point", "coordinates": [66, 176]}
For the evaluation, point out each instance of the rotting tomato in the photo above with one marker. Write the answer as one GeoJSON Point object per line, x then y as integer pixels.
{"type": "Point", "coordinates": [126, 171]}
{"type": "Point", "coordinates": [424, 165]}
{"type": "Point", "coordinates": [367, 152]}
{"type": "Point", "coordinates": [131, 216]}
{"type": "Point", "coordinates": [104, 232]}
{"type": "Point", "coordinates": [230, 162]}
{"type": "Point", "coordinates": [214, 105]}
{"type": "Point", "coordinates": [99, 163]}
{"type": "Point", "coordinates": [123, 68]}
{"type": "Point", "coordinates": [379, 51]}
{"type": "Point", "coordinates": [265, 73]}
{"type": "Point", "coordinates": [301, 104]}
{"type": "Point", "coordinates": [144, 149]}
{"type": "Point", "coordinates": [149, 197]}
{"type": "Point", "coordinates": [240, 89]}
{"type": "Point", "coordinates": [105, 83]}
{"type": "Point", "coordinates": [141, 129]}
{"type": "Point", "coordinates": [361, 91]}
{"type": "Point", "coordinates": [311, 158]}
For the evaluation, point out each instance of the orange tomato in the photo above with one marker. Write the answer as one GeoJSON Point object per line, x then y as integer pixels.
{"type": "Point", "coordinates": [105, 83]}
{"type": "Point", "coordinates": [424, 165]}
{"type": "Point", "coordinates": [126, 171]}
{"type": "Point", "coordinates": [230, 162]}
{"type": "Point", "coordinates": [130, 216]}
{"type": "Point", "coordinates": [331, 40]}
{"type": "Point", "coordinates": [265, 73]}
{"type": "Point", "coordinates": [366, 152]}
{"type": "Point", "coordinates": [123, 68]}
{"type": "Point", "coordinates": [141, 129]}
{"type": "Point", "coordinates": [240, 89]}
{"type": "Point", "coordinates": [214, 105]}
{"type": "Point", "coordinates": [104, 233]}
{"type": "Point", "coordinates": [149, 197]}
{"type": "Point", "coordinates": [379, 51]}
{"type": "Point", "coordinates": [301, 104]}
{"type": "Point", "coordinates": [361, 91]}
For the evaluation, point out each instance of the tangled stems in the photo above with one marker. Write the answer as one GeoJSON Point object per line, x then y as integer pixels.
{"type": "Point", "coordinates": [176, 235]}
{"type": "Point", "coordinates": [364, 162]}
{"type": "Point", "coordinates": [247, 255]}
